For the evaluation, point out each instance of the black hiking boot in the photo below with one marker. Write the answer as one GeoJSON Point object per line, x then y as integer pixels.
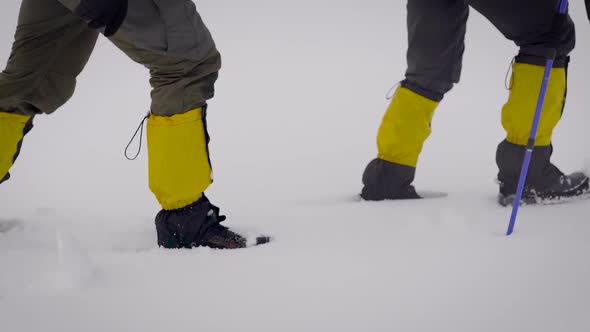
{"type": "Point", "coordinates": [545, 183]}
{"type": "Point", "coordinates": [197, 225]}
{"type": "Point", "coordinates": [386, 180]}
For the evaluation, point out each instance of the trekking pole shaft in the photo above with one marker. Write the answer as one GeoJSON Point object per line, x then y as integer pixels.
{"type": "Point", "coordinates": [530, 145]}
{"type": "Point", "coordinates": [519, 190]}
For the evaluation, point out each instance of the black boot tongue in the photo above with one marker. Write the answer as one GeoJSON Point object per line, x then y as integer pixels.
{"type": "Point", "coordinates": [214, 212]}
{"type": "Point", "coordinates": [213, 217]}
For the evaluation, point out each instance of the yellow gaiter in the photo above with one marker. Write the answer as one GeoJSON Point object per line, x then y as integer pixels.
{"type": "Point", "coordinates": [405, 127]}
{"type": "Point", "coordinates": [178, 159]}
{"type": "Point", "coordinates": [13, 128]}
{"type": "Point", "coordinates": [519, 111]}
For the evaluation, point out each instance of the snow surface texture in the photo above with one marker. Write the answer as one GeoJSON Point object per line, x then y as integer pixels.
{"type": "Point", "coordinates": [293, 124]}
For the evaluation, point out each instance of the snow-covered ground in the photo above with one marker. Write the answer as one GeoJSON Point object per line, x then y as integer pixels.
{"type": "Point", "coordinates": [294, 121]}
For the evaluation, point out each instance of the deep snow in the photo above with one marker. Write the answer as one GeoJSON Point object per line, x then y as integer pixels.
{"type": "Point", "coordinates": [293, 124]}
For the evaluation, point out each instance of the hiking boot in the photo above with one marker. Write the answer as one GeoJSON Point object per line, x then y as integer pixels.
{"type": "Point", "coordinates": [386, 180]}
{"type": "Point", "coordinates": [196, 225]}
{"type": "Point", "coordinates": [545, 183]}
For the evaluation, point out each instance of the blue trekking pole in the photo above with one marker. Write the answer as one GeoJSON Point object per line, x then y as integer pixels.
{"type": "Point", "coordinates": [531, 142]}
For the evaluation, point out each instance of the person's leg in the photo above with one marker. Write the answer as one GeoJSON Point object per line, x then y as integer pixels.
{"type": "Point", "coordinates": [436, 31]}
{"type": "Point", "coordinates": [50, 49]}
{"type": "Point", "coordinates": [178, 50]}
{"type": "Point", "coordinates": [180, 90]}
{"type": "Point", "coordinates": [535, 26]}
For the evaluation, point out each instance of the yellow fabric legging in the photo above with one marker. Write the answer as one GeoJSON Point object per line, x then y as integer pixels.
{"type": "Point", "coordinates": [519, 111]}
{"type": "Point", "coordinates": [405, 127]}
{"type": "Point", "coordinates": [179, 169]}
{"type": "Point", "coordinates": [12, 131]}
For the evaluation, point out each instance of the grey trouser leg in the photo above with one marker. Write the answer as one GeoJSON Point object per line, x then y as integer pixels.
{"type": "Point", "coordinates": [51, 48]}
{"type": "Point", "coordinates": [170, 39]}
{"type": "Point", "coordinates": [178, 85]}
{"type": "Point", "coordinates": [52, 45]}
{"type": "Point", "coordinates": [436, 32]}
{"type": "Point", "coordinates": [533, 25]}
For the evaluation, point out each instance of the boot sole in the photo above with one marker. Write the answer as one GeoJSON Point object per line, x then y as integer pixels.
{"type": "Point", "coordinates": [422, 194]}
{"type": "Point", "coordinates": [509, 200]}
{"type": "Point", "coordinates": [259, 240]}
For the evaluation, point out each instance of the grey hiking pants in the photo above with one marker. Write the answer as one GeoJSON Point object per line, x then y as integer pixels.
{"type": "Point", "coordinates": [52, 46]}
{"type": "Point", "coordinates": [436, 32]}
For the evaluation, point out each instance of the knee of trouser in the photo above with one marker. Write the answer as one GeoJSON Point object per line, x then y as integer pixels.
{"type": "Point", "coordinates": [429, 76]}
{"type": "Point", "coordinates": [183, 85]}
{"type": "Point", "coordinates": [561, 38]}
{"type": "Point", "coordinates": [178, 158]}
{"type": "Point", "coordinates": [405, 127]}
{"type": "Point", "coordinates": [13, 128]}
